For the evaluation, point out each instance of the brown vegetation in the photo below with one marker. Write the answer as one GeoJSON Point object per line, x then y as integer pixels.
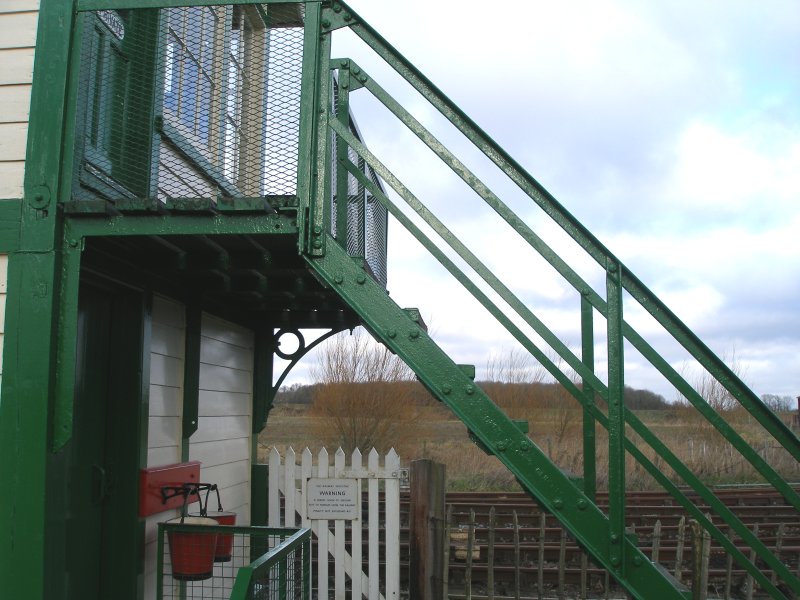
{"type": "Point", "coordinates": [365, 397]}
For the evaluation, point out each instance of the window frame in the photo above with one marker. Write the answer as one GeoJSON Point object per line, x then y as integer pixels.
{"type": "Point", "coordinates": [216, 158]}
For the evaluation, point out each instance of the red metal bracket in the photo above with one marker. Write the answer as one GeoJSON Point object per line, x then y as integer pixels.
{"type": "Point", "coordinates": [154, 479]}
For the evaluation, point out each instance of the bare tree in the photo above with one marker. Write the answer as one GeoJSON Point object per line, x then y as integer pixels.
{"type": "Point", "coordinates": [364, 399]}
{"type": "Point", "coordinates": [710, 388]}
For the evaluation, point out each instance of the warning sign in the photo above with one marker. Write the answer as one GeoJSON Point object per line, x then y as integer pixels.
{"type": "Point", "coordinates": [332, 499]}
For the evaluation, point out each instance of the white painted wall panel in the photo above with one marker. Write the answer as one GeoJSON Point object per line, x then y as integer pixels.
{"type": "Point", "coordinates": [222, 442]}
{"type": "Point", "coordinates": [16, 101]}
{"type": "Point", "coordinates": [18, 23]}
{"type": "Point", "coordinates": [219, 452]}
{"type": "Point", "coordinates": [221, 330]}
{"type": "Point", "coordinates": [11, 179]}
{"type": "Point", "coordinates": [9, 6]}
{"type": "Point", "coordinates": [167, 348]}
{"type": "Point", "coordinates": [221, 404]}
{"type": "Point", "coordinates": [225, 379]}
{"type": "Point", "coordinates": [12, 141]}
{"type": "Point", "coordinates": [16, 66]}
{"type": "Point", "coordinates": [221, 428]}
{"type": "Point", "coordinates": [18, 29]}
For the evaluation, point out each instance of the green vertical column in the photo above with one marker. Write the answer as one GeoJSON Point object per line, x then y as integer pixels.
{"type": "Point", "coordinates": [616, 419]}
{"type": "Point", "coordinates": [263, 397]}
{"type": "Point", "coordinates": [589, 439]}
{"type": "Point", "coordinates": [320, 209]}
{"type": "Point", "coordinates": [309, 121]}
{"type": "Point", "coordinates": [30, 566]}
{"type": "Point", "coordinates": [342, 191]}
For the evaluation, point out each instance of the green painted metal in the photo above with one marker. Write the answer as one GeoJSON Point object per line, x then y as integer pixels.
{"type": "Point", "coordinates": [9, 224]}
{"type": "Point", "coordinates": [589, 423]}
{"type": "Point", "coordinates": [636, 425]}
{"type": "Point", "coordinates": [180, 224]}
{"type": "Point", "coordinates": [527, 462]}
{"type": "Point", "coordinates": [264, 567]}
{"type": "Point", "coordinates": [26, 564]}
{"type": "Point", "coordinates": [91, 5]}
{"type": "Point", "coordinates": [307, 167]}
{"type": "Point", "coordinates": [342, 195]}
{"type": "Point", "coordinates": [191, 371]}
{"type": "Point", "coordinates": [263, 392]}
{"type": "Point", "coordinates": [616, 416]}
{"type": "Point", "coordinates": [319, 209]}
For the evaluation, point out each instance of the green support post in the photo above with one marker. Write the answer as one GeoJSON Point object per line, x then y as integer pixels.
{"type": "Point", "coordinates": [31, 561]}
{"type": "Point", "coordinates": [616, 420]}
{"type": "Point", "coordinates": [342, 177]}
{"type": "Point", "coordinates": [589, 423]}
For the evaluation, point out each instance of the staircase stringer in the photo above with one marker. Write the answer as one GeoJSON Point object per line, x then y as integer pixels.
{"type": "Point", "coordinates": [534, 470]}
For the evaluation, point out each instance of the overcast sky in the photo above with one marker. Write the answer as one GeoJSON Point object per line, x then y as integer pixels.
{"type": "Point", "coordinates": [670, 129]}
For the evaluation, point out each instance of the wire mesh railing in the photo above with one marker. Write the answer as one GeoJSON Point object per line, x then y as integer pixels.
{"type": "Point", "coordinates": [215, 562]}
{"type": "Point", "coordinates": [199, 108]}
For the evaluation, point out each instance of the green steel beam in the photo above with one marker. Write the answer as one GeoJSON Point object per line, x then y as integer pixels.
{"type": "Point", "coordinates": [191, 372]}
{"type": "Point", "coordinates": [89, 5]}
{"type": "Point", "coordinates": [342, 191]}
{"type": "Point", "coordinates": [589, 423]}
{"type": "Point", "coordinates": [577, 231]}
{"type": "Point", "coordinates": [647, 436]}
{"type": "Point", "coordinates": [524, 459]}
{"type": "Point", "coordinates": [319, 210]}
{"type": "Point", "coordinates": [616, 415]}
{"type": "Point", "coordinates": [180, 224]}
{"type": "Point", "coordinates": [309, 121]}
{"type": "Point", "coordinates": [31, 522]}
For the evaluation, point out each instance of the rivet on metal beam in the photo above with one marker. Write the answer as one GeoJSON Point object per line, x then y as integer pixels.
{"type": "Point", "coordinates": [582, 504]}
{"type": "Point", "coordinates": [413, 334]}
{"type": "Point", "coordinates": [361, 278]}
{"type": "Point", "coordinates": [391, 333]}
{"type": "Point", "coordinates": [446, 389]}
{"type": "Point", "coordinates": [470, 389]}
{"type": "Point", "coordinates": [338, 279]}
{"type": "Point", "coordinates": [558, 503]}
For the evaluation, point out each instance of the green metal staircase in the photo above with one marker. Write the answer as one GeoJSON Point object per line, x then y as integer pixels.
{"type": "Point", "coordinates": [604, 536]}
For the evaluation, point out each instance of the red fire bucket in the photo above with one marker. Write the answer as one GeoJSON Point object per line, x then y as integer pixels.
{"type": "Point", "coordinates": [224, 540]}
{"type": "Point", "coordinates": [192, 552]}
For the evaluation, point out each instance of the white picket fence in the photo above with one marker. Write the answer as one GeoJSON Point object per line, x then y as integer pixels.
{"type": "Point", "coordinates": [289, 480]}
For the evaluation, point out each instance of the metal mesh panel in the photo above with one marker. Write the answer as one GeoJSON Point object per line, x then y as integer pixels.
{"type": "Point", "coordinates": [192, 102]}
{"type": "Point", "coordinates": [366, 217]}
{"type": "Point", "coordinates": [202, 562]}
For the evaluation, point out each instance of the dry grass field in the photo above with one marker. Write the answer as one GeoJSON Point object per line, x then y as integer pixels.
{"type": "Point", "coordinates": [432, 432]}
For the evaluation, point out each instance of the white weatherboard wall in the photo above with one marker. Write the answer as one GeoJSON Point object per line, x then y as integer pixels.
{"type": "Point", "coordinates": [222, 440]}
{"type": "Point", "coordinates": [18, 22]}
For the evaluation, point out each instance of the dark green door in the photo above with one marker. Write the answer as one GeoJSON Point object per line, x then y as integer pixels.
{"type": "Point", "coordinates": [103, 531]}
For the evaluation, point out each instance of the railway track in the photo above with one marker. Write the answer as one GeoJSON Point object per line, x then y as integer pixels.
{"type": "Point", "coordinates": [537, 552]}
